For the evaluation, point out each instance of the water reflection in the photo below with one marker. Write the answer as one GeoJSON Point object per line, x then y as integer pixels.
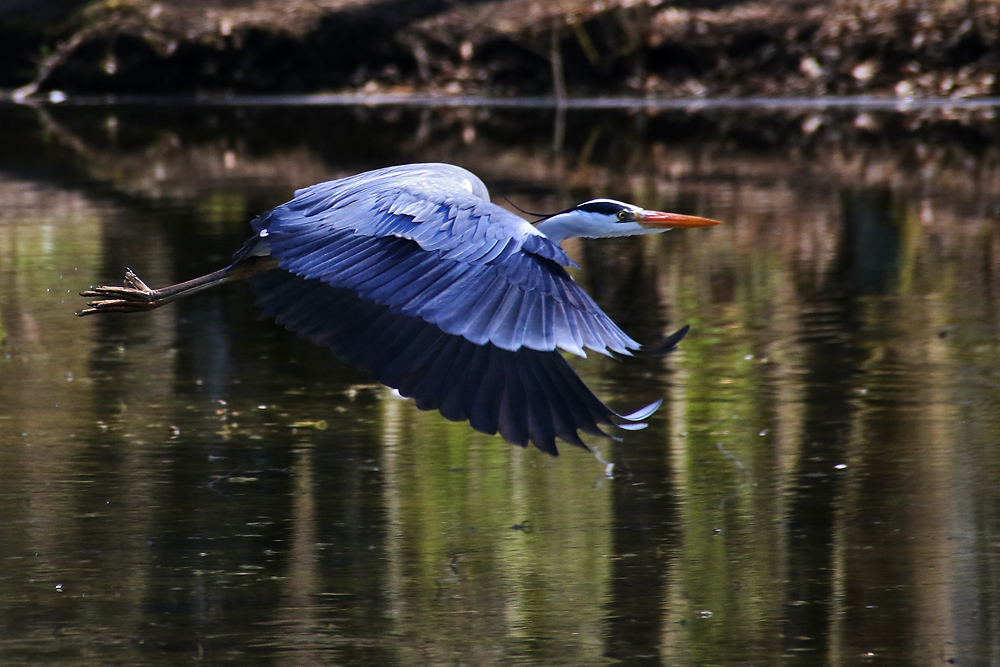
{"type": "Point", "coordinates": [821, 486]}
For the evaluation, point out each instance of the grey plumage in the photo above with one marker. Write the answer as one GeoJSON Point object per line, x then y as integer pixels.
{"type": "Point", "coordinates": [428, 243]}
{"type": "Point", "coordinates": [411, 273]}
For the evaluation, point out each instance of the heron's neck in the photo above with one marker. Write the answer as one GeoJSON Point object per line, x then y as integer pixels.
{"type": "Point", "coordinates": [587, 225]}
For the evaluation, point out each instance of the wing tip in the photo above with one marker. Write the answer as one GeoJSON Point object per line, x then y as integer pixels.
{"type": "Point", "coordinates": [642, 413]}
{"type": "Point", "coordinates": [668, 344]}
{"type": "Point", "coordinates": [633, 426]}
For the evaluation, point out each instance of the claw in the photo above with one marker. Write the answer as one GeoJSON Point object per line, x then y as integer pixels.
{"type": "Point", "coordinates": [134, 296]}
{"type": "Point", "coordinates": [135, 281]}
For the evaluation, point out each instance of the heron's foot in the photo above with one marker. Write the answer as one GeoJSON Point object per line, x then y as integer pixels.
{"type": "Point", "coordinates": [134, 297]}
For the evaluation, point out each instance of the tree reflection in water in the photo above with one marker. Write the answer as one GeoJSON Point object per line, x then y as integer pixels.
{"type": "Point", "coordinates": [822, 482]}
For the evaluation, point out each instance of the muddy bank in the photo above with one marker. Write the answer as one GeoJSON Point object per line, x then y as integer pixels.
{"type": "Point", "coordinates": [696, 48]}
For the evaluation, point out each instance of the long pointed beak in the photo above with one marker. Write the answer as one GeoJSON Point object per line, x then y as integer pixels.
{"type": "Point", "coordinates": [660, 220]}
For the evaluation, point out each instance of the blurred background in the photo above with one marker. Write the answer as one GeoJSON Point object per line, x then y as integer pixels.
{"type": "Point", "coordinates": [821, 486]}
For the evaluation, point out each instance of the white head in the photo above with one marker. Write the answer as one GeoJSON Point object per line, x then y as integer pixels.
{"type": "Point", "coordinates": [603, 218]}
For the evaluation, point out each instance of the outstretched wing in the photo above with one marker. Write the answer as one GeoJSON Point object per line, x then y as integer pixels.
{"type": "Point", "coordinates": [525, 395]}
{"type": "Point", "coordinates": [425, 241]}
{"type": "Point", "coordinates": [413, 275]}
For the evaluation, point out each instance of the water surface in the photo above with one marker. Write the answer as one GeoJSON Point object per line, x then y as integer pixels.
{"type": "Point", "coordinates": [821, 485]}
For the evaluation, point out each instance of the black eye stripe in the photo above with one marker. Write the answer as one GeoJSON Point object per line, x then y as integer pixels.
{"type": "Point", "coordinates": [605, 207]}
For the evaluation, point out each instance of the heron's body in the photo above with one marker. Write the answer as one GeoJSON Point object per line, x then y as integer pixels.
{"type": "Point", "coordinates": [411, 273]}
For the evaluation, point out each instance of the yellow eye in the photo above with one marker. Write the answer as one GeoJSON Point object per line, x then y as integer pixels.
{"type": "Point", "coordinates": [622, 215]}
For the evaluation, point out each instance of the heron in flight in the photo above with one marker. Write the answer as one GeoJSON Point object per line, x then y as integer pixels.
{"type": "Point", "coordinates": [411, 273]}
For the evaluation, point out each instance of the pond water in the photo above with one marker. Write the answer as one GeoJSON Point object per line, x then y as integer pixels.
{"type": "Point", "coordinates": [822, 484]}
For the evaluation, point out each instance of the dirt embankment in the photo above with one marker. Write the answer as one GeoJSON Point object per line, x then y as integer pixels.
{"type": "Point", "coordinates": [940, 48]}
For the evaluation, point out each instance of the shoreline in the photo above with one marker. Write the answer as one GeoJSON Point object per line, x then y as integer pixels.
{"type": "Point", "coordinates": [858, 102]}
{"type": "Point", "coordinates": [707, 49]}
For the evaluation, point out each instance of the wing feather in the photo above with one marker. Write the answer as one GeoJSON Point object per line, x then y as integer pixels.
{"type": "Point", "coordinates": [564, 329]}
{"type": "Point", "coordinates": [563, 414]}
{"type": "Point", "coordinates": [457, 358]}
{"type": "Point", "coordinates": [482, 401]}
{"type": "Point", "coordinates": [478, 312]}
{"type": "Point", "coordinates": [513, 424]}
{"type": "Point", "coordinates": [501, 331]}
{"type": "Point", "coordinates": [412, 274]}
{"type": "Point", "coordinates": [371, 234]}
{"type": "Point", "coordinates": [528, 329]}
{"type": "Point", "coordinates": [528, 396]}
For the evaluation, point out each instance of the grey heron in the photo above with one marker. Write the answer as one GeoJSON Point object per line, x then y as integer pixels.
{"type": "Point", "coordinates": [411, 273]}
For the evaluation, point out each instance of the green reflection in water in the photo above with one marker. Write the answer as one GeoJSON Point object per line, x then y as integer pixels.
{"type": "Point", "coordinates": [497, 554]}
{"type": "Point", "coordinates": [725, 458]}
{"type": "Point", "coordinates": [822, 484]}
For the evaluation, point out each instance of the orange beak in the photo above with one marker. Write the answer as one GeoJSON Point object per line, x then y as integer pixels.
{"type": "Point", "coordinates": [660, 220]}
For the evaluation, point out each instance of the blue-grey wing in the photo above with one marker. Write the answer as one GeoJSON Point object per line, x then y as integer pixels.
{"type": "Point", "coordinates": [432, 247]}
{"type": "Point", "coordinates": [525, 395]}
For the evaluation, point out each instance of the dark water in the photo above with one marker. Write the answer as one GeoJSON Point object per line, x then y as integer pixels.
{"type": "Point", "coordinates": [822, 485]}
